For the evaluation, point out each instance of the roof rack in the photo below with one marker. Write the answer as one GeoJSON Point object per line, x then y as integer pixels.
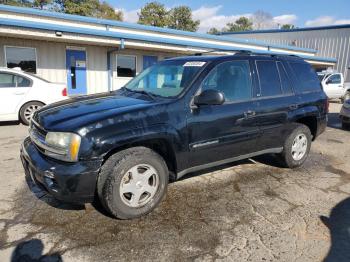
{"type": "Point", "coordinates": [248, 52]}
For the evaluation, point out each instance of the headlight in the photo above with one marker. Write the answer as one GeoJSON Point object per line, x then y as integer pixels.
{"type": "Point", "coordinates": [63, 146]}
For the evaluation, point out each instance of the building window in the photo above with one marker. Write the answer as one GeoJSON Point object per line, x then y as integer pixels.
{"type": "Point", "coordinates": [23, 57]}
{"type": "Point", "coordinates": [126, 66]}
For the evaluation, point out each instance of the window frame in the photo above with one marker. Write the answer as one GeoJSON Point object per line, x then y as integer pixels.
{"type": "Point", "coordinates": [199, 90]}
{"type": "Point", "coordinates": [23, 47]}
{"type": "Point", "coordinates": [259, 94]}
{"type": "Point", "coordinates": [333, 75]}
{"type": "Point", "coordinates": [116, 66]}
{"type": "Point", "coordinates": [17, 75]}
{"type": "Point", "coordinates": [288, 78]}
{"type": "Point", "coordinates": [297, 79]}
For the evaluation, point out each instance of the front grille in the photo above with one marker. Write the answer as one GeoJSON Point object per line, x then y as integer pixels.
{"type": "Point", "coordinates": [37, 135]}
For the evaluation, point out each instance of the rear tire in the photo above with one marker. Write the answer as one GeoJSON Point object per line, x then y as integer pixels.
{"type": "Point", "coordinates": [27, 110]}
{"type": "Point", "coordinates": [345, 126]}
{"type": "Point", "coordinates": [296, 147]}
{"type": "Point", "coordinates": [132, 182]}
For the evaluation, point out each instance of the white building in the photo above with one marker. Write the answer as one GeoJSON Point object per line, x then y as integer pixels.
{"type": "Point", "coordinates": [95, 55]}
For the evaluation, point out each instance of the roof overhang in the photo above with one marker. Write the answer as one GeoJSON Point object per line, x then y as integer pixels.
{"type": "Point", "coordinates": [37, 24]}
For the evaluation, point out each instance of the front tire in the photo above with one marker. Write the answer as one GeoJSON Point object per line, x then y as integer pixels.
{"type": "Point", "coordinates": [27, 110]}
{"type": "Point", "coordinates": [296, 147]}
{"type": "Point", "coordinates": [132, 182]}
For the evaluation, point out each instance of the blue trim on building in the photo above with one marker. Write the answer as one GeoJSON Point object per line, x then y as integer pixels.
{"type": "Point", "coordinates": [37, 12]}
{"type": "Point", "coordinates": [288, 30]}
{"type": "Point", "coordinates": [117, 35]}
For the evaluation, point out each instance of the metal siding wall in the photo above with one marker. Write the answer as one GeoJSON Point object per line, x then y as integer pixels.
{"type": "Point", "coordinates": [51, 61]}
{"type": "Point", "coordinates": [97, 75]}
{"type": "Point", "coordinates": [329, 43]}
{"type": "Point", "coordinates": [50, 57]}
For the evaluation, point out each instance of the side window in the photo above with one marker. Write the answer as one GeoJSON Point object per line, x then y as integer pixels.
{"type": "Point", "coordinates": [7, 80]}
{"type": "Point", "coordinates": [285, 83]}
{"type": "Point", "coordinates": [23, 82]}
{"type": "Point", "coordinates": [232, 79]}
{"type": "Point", "coordinates": [307, 79]}
{"type": "Point", "coordinates": [334, 79]}
{"type": "Point", "coordinates": [269, 79]}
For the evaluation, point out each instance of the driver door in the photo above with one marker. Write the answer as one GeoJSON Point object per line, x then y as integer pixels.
{"type": "Point", "coordinates": [221, 132]}
{"type": "Point", "coordinates": [334, 86]}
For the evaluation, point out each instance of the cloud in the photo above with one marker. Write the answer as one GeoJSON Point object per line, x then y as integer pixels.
{"type": "Point", "coordinates": [326, 20]}
{"type": "Point", "coordinates": [129, 16]}
{"type": "Point", "coordinates": [210, 17]}
{"type": "Point", "coordinates": [285, 19]}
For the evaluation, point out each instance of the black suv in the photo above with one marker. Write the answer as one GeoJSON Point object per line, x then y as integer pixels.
{"type": "Point", "coordinates": [178, 116]}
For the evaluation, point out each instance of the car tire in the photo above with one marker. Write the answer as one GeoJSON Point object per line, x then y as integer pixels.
{"type": "Point", "coordinates": [27, 111]}
{"type": "Point", "coordinates": [296, 147]}
{"type": "Point", "coordinates": [125, 171]}
{"type": "Point", "coordinates": [345, 126]}
{"type": "Point", "coordinates": [345, 97]}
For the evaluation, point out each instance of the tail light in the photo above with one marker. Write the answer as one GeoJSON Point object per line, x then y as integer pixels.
{"type": "Point", "coordinates": [64, 92]}
{"type": "Point", "coordinates": [327, 105]}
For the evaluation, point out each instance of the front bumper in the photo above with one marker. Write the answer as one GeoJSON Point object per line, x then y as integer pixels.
{"type": "Point", "coordinates": [345, 115]}
{"type": "Point", "coordinates": [70, 182]}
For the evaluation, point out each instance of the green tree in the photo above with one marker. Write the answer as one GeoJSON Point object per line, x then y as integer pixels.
{"type": "Point", "coordinates": [93, 8]}
{"type": "Point", "coordinates": [25, 3]}
{"type": "Point", "coordinates": [181, 18]}
{"type": "Point", "coordinates": [287, 26]}
{"type": "Point", "coordinates": [154, 14]}
{"type": "Point", "coordinates": [41, 3]}
{"type": "Point", "coordinates": [214, 31]}
{"type": "Point", "coordinates": [241, 24]}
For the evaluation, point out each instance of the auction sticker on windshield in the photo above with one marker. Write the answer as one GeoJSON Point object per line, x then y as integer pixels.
{"type": "Point", "coordinates": [195, 63]}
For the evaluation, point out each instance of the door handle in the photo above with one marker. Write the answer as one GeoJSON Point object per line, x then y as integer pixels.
{"type": "Point", "coordinates": [249, 113]}
{"type": "Point", "coordinates": [19, 93]}
{"type": "Point", "coordinates": [293, 106]}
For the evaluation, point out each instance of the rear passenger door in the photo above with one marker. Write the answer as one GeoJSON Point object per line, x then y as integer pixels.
{"type": "Point", "coordinates": [13, 89]}
{"type": "Point", "coordinates": [275, 101]}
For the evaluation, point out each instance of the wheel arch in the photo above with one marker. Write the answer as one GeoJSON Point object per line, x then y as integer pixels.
{"type": "Point", "coordinates": [311, 122]}
{"type": "Point", "coordinates": [160, 145]}
{"type": "Point", "coordinates": [23, 104]}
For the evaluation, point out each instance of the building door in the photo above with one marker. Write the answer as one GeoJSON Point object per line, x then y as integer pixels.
{"type": "Point", "coordinates": [149, 60]}
{"type": "Point", "coordinates": [76, 71]}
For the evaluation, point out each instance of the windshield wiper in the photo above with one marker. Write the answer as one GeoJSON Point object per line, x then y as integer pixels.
{"type": "Point", "coordinates": [140, 92]}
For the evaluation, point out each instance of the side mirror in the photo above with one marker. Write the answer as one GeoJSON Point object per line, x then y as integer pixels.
{"type": "Point", "coordinates": [209, 97]}
{"type": "Point", "coordinates": [328, 82]}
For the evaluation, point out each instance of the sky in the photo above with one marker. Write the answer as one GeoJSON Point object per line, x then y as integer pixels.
{"type": "Point", "coordinates": [214, 13]}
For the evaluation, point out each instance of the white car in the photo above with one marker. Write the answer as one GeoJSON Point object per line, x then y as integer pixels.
{"type": "Point", "coordinates": [23, 93]}
{"type": "Point", "coordinates": [333, 84]}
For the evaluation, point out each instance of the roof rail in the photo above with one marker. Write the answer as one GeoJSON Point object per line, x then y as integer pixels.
{"type": "Point", "coordinates": [248, 52]}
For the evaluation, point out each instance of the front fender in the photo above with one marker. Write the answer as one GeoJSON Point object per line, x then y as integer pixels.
{"type": "Point", "coordinates": [112, 142]}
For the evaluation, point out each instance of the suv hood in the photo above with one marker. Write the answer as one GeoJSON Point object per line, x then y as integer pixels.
{"type": "Point", "coordinates": [75, 113]}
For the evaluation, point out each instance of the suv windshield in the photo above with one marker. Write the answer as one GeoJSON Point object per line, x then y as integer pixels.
{"type": "Point", "coordinates": [166, 79]}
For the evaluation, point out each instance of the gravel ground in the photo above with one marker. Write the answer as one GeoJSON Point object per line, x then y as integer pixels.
{"type": "Point", "coordinates": [248, 211]}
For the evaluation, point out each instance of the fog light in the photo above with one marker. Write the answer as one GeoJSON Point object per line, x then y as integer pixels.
{"type": "Point", "coordinates": [49, 182]}
{"type": "Point", "coordinates": [49, 174]}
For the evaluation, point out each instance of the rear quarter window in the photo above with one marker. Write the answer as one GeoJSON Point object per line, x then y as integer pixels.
{"type": "Point", "coordinates": [306, 77]}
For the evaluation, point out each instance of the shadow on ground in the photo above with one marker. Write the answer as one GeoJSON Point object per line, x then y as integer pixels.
{"type": "Point", "coordinates": [32, 251]}
{"type": "Point", "coordinates": [339, 226]}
